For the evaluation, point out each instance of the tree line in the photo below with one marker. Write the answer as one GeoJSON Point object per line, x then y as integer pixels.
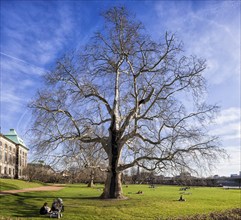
{"type": "Point", "coordinates": [90, 177]}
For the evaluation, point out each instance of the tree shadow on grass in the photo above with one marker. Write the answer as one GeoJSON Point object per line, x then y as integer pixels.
{"type": "Point", "coordinates": [28, 206]}
{"type": "Point", "coordinates": [7, 186]}
{"type": "Point", "coordinates": [20, 207]}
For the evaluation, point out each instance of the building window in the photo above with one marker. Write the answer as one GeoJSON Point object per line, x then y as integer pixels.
{"type": "Point", "coordinates": [13, 171]}
{"type": "Point", "coordinates": [6, 146]}
{"type": "Point", "coordinates": [5, 170]}
{"type": "Point", "coordinates": [0, 169]}
{"type": "Point", "coordinates": [1, 143]}
{"type": "Point", "coordinates": [0, 154]}
{"type": "Point", "coordinates": [10, 148]}
{"type": "Point", "coordinates": [9, 171]}
{"type": "Point", "coordinates": [6, 157]}
{"type": "Point", "coordinates": [10, 159]}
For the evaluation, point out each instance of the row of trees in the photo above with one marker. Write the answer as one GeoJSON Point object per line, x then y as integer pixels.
{"type": "Point", "coordinates": [127, 101]}
{"type": "Point", "coordinates": [89, 176]}
{"type": "Point", "coordinates": [44, 173]}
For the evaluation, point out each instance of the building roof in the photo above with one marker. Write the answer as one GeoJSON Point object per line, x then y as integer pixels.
{"type": "Point", "coordinates": [41, 165]}
{"type": "Point", "coordinates": [13, 136]}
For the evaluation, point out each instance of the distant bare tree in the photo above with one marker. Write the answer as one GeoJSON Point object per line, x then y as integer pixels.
{"type": "Point", "coordinates": [31, 173]}
{"type": "Point", "coordinates": [39, 172]}
{"type": "Point", "coordinates": [86, 159]}
{"type": "Point", "coordinates": [139, 100]}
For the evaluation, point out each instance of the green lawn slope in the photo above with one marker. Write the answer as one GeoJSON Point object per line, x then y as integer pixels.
{"type": "Point", "coordinates": [9, 184]}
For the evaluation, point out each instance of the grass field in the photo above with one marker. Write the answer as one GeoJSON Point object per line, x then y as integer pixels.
{"type": "Point", "coordinates": [9, 184]}
{"type": "Point", "coordinates": [82, 202]}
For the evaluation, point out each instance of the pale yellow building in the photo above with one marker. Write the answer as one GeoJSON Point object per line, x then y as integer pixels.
{"type": "Point", "coordinates": [13, 155]}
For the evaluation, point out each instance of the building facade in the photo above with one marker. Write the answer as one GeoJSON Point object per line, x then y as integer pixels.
{"type": "Point", "coordinates": [13, 155]}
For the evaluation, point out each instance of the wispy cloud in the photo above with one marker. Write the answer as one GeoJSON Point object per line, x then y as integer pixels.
{"type": "Point", "coordinates": [210, 30]}
{"type": "Point", "coordinates": [33, 35]}
{"type": "Point", "coordinates": [228, 128]}
{"type": "Point", "coordinates": [229, 166]}
{"type": "Point", "coordinates": [37, 33]}
{"type": "Point", "coordinates": [16, 65]}
{"type": "Point", "coordinates": [229, 115]}
{"type": "Point", "coordinates": [228, 124]}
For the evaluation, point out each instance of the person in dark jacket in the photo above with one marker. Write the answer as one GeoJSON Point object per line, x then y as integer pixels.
{"type": "Point", "coordinates": [44, 209]}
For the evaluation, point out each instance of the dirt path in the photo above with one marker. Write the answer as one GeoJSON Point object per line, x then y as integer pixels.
{"type": "Point", "coordinates": [36, 189]}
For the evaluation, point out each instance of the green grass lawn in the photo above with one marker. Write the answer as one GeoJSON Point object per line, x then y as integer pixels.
{"type": "Point", "coordinates": [9, 184]}
{"type": "Point", "coordinates": [82, 203]}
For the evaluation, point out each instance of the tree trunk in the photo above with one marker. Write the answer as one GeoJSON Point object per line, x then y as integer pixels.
{"type": "Point", "coordinates": [91, 181]}
{"type": "Point", "coordinates": [113, 187]}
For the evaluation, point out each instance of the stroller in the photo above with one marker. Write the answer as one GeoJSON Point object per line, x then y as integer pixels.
{"type": "Point", "coordinates": [57, 208]}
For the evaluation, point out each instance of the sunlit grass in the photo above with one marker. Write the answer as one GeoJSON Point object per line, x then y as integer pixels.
{"type": "Point", "coordinates": [83, 203]}
{"type": "Point", "coordinates": [9, 184]}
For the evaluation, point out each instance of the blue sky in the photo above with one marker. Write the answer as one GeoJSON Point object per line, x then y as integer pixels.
{"type": "Point", "coordinates": [35, 33]}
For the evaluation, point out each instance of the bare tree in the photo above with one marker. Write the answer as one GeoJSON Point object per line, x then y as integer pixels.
{"type": "Point", "coordinates": [40, 172]}
{"type": "Point", "coordinates": [88, 159]}
{"type": "Point", "coordinates": [139, 100]}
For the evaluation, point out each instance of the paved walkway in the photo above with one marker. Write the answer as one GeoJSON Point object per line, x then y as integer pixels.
{"type": "Point", "coordinates": [36, 189]}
